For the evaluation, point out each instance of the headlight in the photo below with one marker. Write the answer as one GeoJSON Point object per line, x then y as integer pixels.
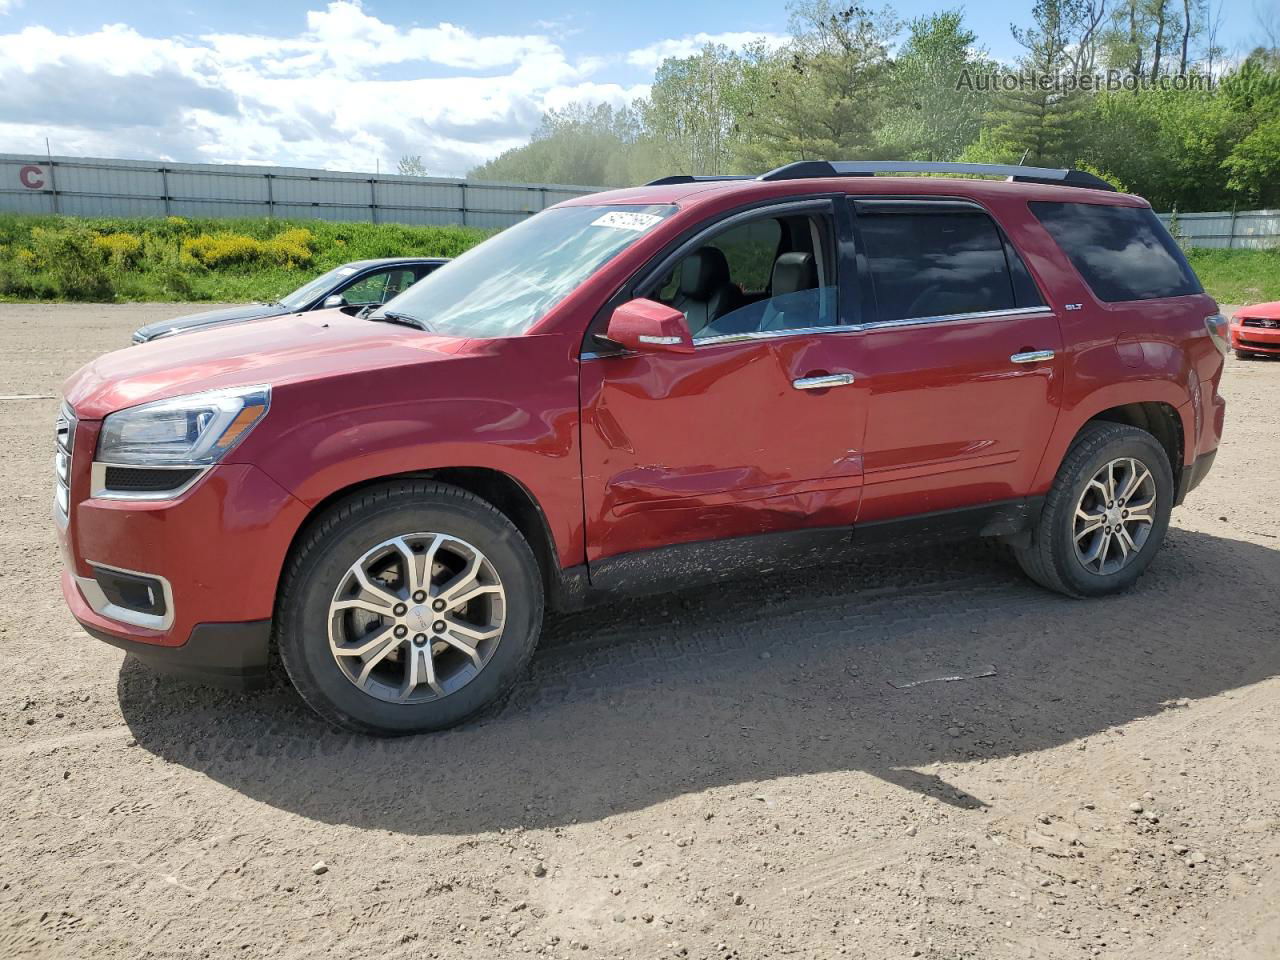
{"type": "Point", "coordinates": [198, 429]}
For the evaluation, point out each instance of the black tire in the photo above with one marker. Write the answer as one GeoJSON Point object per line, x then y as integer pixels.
{"type": "Point", "coordinates": [1245, 355]}
{"type": "Point", "coordinates": [338, 538]}
{"type": "Point", "coordinates": [1051, 559]}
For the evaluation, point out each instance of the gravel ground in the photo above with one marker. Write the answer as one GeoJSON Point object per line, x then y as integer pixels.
{"type": "Point", "coordinates": [726, 773]}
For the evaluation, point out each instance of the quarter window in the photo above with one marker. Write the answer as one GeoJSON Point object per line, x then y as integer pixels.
{"type": "Point", "coordinates": [932, 264]}
{"type": "Point", "coordinates": [1123, 253]}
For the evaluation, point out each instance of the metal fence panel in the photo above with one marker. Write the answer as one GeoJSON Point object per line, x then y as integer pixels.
{"type": "Point", "coordinates": [1227, 229]}
{"type": "Point", "coordinates": [92, 187]}
{"type": "Point", "coordinates": [125, 188]}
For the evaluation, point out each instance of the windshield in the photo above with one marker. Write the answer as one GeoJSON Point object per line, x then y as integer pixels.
{"type": "Point", "coordinates": [506, 284]}
{"type": "Point", "coordinates": [312, 289]}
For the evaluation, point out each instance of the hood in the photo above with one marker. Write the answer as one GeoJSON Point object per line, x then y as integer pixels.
{"type": "Point", "coordinates": [292, 349]}
{"type": "Point", "coordinates": [1270, 310]}
{"type": "Point", "coordinates": [194, 321]}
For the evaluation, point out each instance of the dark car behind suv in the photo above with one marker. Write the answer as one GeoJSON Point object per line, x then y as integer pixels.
{"type": "Point", "coordinates": [635, 391]}
{"type": "Point", "coordinates": [359, 284]}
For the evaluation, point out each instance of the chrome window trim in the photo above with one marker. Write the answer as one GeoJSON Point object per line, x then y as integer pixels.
{"type": "Point", "coordinates": [950, 317]}
{"type": "Point", "coordinates": [100, 605]}
{"type": "Point", "coordinates": [847, 328]}
{"type": "Point", "coordinates": [776, 334]}
{"type": "Point", "coordinates": [99, 491]}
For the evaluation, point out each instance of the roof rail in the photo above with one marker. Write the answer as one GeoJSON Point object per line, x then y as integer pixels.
{"type": "Point", "coordinates": [690, 178]}
{"type": "Point", "coordinates": [806, 169]}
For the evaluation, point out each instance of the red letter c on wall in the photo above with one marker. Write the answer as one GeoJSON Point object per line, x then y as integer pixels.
{"type": "Point", "coordinates": [31, 177]}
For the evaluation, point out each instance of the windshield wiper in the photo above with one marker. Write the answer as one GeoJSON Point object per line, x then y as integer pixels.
{"type": "Point", "coordinates": [391, 316]}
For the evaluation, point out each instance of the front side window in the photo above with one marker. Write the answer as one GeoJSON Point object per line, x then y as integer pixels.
{"type": "Point", "coordinates": [378, 287]}
{"type": "Point", "coordinates": [766, 275]}
{"type": "Point", "coordinates": [506, 284]}
{"type": "Point", "coordinates": [935, 264]}
{"type": "Point", "coordinates": [309, 291]}
{"type": "Point", "coordinates": [1123, 253]}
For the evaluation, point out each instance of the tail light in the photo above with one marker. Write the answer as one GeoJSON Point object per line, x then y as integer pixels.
{"type": "Point", "coordinates": [1216, 324]}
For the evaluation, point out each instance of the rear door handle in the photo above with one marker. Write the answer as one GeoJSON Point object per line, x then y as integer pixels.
{"type": "Point", "coordinates": [1032, 356]}
{"type": "Point", "coordinates": [825, 382]}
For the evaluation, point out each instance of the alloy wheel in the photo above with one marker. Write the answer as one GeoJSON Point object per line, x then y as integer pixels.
{"type": "Point", "coordinates": [417, 617]}
{"type": "Point", "coordinates": [1114, 516]}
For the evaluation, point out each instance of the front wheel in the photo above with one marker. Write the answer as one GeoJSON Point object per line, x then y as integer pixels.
{"type": "Point", "coordinates": [1105, 515]}
{"type": "Point", "coordinates": [1245, 355]}
{"type": "Point", "coordinates": [409, 607]}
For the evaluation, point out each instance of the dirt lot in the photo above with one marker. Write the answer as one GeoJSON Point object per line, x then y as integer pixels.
{"type": "Point", "coordinates": [727, 773]}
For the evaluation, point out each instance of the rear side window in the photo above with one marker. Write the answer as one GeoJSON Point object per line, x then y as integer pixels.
{"type": "Point", "coordinates": [1123, 253]}
{"type": "Point", "coordinates": [933, 264]}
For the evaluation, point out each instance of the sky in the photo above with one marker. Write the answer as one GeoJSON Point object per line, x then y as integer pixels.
{"type": "Point", "coordinates": [356, 84]}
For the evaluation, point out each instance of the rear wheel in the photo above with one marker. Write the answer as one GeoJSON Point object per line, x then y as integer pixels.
{"type": "Point", "coordinates": [407, 608]}
{"type": "Point", "coordinates": [1106, 514]}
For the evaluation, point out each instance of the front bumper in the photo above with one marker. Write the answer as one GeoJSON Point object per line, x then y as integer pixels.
{"type": "Point", "coordinates": [1192, 475]}
{"type": "Point", "coordinates": [235, 655]}
{"type": "Point", "coordinates": [218, 549]}
{"type": "Point", "coordinates": [1255, 339]}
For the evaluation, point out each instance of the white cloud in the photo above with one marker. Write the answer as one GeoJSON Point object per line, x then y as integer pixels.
{"type": "Point", "coordinates": [7, 6]}
{"type": "Point", "coordinates": [649, 57]}
{"type": "Point", "coordinates": [346, 89]}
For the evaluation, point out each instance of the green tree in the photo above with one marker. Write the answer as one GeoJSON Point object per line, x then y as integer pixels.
{"type": "Point", "coordinates": [1253, 165]}
{"type": "Point", "coordinates": [586, 144]}
{"type": "Point", "coordinates": [412, 166]}
{"type": "Point", "coordinates": [822, 95]}
{"type": "Point", "coordinates": [1184, 135]}
{"type": "Point", "coordinates": [933, 114]}
{"type": "Point", "coordinates": [691, 113]}
{"type": "Point", "coordinates": [1040, 119]}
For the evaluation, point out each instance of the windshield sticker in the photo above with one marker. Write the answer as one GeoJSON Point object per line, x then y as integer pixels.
{"type": "Point", "coordinates": [624, 220]}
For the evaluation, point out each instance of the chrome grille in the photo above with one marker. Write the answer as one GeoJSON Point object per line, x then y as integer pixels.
{"type": "Point", "coordinates": [64, 445]}
{"type": "Point", "coordinates": [1266, 323]}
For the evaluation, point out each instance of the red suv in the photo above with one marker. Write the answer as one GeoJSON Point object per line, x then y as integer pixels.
{"type": "Point", "coordinates": [631, 392]}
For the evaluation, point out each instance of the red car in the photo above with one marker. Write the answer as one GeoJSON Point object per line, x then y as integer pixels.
{"type": "Point", "coordinates": [637, 391]}
{"type": "Point", "coordinates": [1255, 331]}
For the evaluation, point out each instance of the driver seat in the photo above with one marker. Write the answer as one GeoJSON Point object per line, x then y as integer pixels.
{"type": "Point", "coordinates": [705, 292]}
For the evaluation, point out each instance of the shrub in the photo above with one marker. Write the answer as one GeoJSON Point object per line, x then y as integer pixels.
{"type": "Point", "coordinates": [291, 248]}
{"type": "Point", "coordinates": [169, 277]}
{"type": "Point", "coordinates": [222, 249]}
{"type": "Point", "coordinates": [72, 265]}
{"type": "Point", "coordinates": [123, 250]}
{"type": "Point", "coordinates": [15, 276]}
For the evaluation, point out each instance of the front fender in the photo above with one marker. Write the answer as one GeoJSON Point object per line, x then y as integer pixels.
{"type": "Point", "coordinates": [516, 416]}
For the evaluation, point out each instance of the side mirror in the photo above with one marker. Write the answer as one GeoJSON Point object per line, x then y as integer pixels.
{"type": "Point", "coordinates": [334, 300]}
{"type": "Point", "coordinates": [649, 327]}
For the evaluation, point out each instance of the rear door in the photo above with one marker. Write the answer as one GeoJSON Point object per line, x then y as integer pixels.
{"type": "Point", "coordinates": [759, 429]}
{"type": "Point", "coordinates": [962, 356]}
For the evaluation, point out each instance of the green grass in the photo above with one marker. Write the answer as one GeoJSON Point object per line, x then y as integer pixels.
{"type": "Point", "coordinates": [1238, 276]}
{"type": "Point", "coordinates": [66, 258]}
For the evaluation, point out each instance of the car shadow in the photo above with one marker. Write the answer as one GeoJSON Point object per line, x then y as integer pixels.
{"type": "Point", "coordinates": [629, 705]}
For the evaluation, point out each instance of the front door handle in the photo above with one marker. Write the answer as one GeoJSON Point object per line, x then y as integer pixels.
{"type": "Point", "coordinates": [1032, 356]}
{"type": "Point", "coordinates": [824, 382]}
